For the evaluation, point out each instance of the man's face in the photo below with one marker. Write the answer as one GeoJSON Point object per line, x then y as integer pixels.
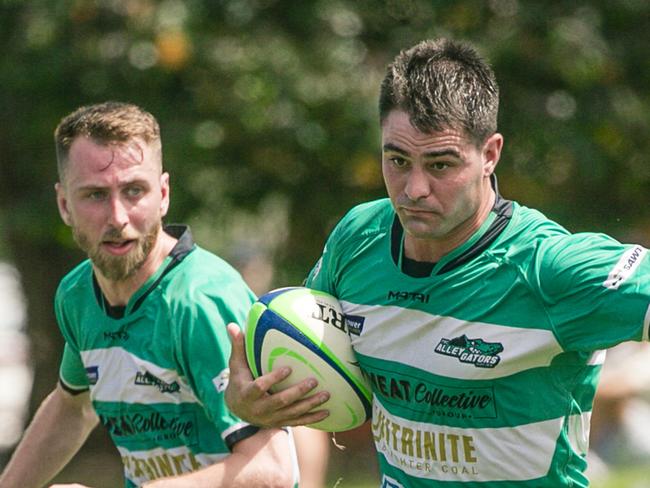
{"type": "Point", "coordinates": [114, 197]}
{"type": "Point", "coordinates": [436, 181]}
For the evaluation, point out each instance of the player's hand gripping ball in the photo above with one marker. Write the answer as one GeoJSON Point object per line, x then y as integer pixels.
{"type": "Point", "coordinates": [305, 329]}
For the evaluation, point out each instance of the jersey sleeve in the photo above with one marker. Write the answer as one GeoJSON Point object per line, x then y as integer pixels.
{"type": "Point", "coordinates": [597, 291]}
{"type": "Point", "coordinates": [322, 275]}
{"type": "Point", "coordinates": [72, 373]}
{"type": "Point", "coordinates": [203, 350]}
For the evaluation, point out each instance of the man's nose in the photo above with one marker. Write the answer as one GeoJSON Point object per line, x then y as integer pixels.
{"type": "Point", "coordinates": [417, 184]}
{"type": "Point", "coordinates": [119, 215]}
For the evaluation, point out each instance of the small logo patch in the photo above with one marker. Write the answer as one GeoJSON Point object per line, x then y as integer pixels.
{"type": "Point", "coordinates": [148, 379]}
{"type": "Point", "coordinates": [412, 296]}
{"type": "Point", "coordinates": [354, 324]}
{"type": "Point", "coordinates": [92, 373]}
{"type": "Point", "coordinates": [472, 351]}
{"type": "Point", "coordinates": [625, 267]}
{"type": "Point", "coordinates": [221, 380]}
{"type": "Point", "coordinates": [117, 335]}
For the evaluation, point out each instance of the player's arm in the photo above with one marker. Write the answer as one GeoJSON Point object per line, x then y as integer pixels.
{"type": "Point", "coordinates": [251, 400]}
{"type": "Point", "coordinates": [261, 460]}
{"type": "Point", "coordinates": [59, 428]}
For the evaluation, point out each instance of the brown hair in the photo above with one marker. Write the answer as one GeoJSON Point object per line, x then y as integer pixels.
{"type": "Point", "coordinates": [442, 84]}
{"type": "Point", "coordinates": [105, 123]}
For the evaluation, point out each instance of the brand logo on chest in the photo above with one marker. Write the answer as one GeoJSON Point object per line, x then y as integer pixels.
{"type": "Point", "coordinates": [412, 296]}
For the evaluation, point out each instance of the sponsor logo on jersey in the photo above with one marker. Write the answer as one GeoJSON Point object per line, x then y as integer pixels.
{"type": "Point", "coordinates": [148, 379]}
{"type": "Point", "coordinates": [329, 315]}
{"type": "Point", "coordinates": [424, 450]}
{"type": "Point", "coordinates": [117, 335]}
{"type": "Point", "coordinates": [92, 373]}
{"type": "Point", "coordinates": [141, 468]}
{"type": "Point", "coordinates": [149, 425]}
{"type": "Point", "coordinates": [412, 296]}
{"type": "Point", "coordinates": [220, 381]}
{"type": "Point", "coordinates": [625, 267]}
{"type": "Point", "coordinates": [354, 324]}
{"type": "Point", "coordinates": [434, 399]}
{"type": "Point", "coordinates": [471, 351]}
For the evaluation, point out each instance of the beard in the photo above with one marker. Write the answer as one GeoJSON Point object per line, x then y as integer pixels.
{"type": "Point", "coordinates": [117, 268]}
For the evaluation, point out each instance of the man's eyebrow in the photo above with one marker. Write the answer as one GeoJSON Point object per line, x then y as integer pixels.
{"type": "Point", "coordinates": [429, 155]}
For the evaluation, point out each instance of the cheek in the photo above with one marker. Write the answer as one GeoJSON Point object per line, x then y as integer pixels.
{"type": "Point", "coordinates": [391, 181]}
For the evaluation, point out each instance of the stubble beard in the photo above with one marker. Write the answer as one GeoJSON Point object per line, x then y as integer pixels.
{"type": "Point", "coordinates": [117, 268]}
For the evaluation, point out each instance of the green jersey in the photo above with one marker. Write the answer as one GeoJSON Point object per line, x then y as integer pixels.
{"type": "Point", "coordinates": [484, 367]}
{"type": "Point", "coordinates": [157, 369]}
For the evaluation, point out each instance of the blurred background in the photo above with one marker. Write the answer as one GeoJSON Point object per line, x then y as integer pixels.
{"type": "Point", "coordinates": [269, 125]}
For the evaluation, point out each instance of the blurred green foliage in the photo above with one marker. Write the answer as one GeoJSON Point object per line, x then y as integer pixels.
{"type": "Point", "coordinates": [268, 113]}
{"type": "Point", "coordinates": [263, 97]}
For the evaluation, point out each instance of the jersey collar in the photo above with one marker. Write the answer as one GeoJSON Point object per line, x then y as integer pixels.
{"type": "Point", "coordinates": [184, 245]}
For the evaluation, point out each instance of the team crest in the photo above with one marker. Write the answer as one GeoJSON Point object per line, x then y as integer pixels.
{"type": "Point", "coordinates": [472, 351]}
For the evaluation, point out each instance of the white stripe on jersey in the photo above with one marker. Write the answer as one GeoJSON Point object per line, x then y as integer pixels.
{"type": "Point", "coordinates": [646, 326]}
{"type": "Point", "coordinates": [143, 466]}
{"type": "Point", "coordinates": [455, 454]}
{"type": "Point", "coordinates": [415, 334]}
{"type": "Point", "coordinates": [124, 377]}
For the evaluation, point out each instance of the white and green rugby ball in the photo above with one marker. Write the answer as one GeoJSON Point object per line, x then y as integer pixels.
{"type": "Point", "coordinates": [305, 329]}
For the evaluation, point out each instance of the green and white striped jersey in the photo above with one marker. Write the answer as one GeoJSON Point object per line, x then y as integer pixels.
{"type": "Point", "coordinates": [157, 373]}
{"type": "Point", "coordinates": [484, 371]}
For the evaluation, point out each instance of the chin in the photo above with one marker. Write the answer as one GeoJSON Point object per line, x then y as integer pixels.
{"type": "Point", "coordinates": [421, 230]}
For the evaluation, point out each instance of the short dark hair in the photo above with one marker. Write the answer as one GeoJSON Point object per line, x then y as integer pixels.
{"type": "Point", "coordinates": [107, 122]}
{"type": "Point", "coordinates": [442, 84]}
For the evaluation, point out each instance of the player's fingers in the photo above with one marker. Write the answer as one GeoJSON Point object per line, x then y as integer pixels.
{"type": "Point", "coordinates": [293, 400]}
{"type": "Point", "coordinates": [260, 387]}
{"type": "Point", "coordinates": [310, 418]}
{"type": "Point", "coordinates": [303, 411]}
{"type": "Point", "coordinates": [237, 354]}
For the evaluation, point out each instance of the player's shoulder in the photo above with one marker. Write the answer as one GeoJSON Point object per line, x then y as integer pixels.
{"type": "Point", "coordinates": [526, 231]}
{"type": "Point", "coordinates": [541, 244]}
{"type": "Point", "coordinates": [203, 274]}
{"type": "Point", "coordinates": [533, 226]}
{"type": "Point", "coordinates": [77, 278]}
{"type": "Point", "coordinates": [365, 220]}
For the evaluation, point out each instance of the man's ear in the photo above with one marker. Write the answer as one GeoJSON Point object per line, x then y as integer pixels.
{"type": "Point", "coordinates": [62, 203]}
{"type": "Point", "coordinates": [492, 153]}
{"type": "Point", "coordinates": [164, 188]}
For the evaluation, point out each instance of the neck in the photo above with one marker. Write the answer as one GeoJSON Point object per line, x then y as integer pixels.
{"type": "Point", "coordinates": [433, 249]}
{"type": "Point", "coordinates": [118, 293]}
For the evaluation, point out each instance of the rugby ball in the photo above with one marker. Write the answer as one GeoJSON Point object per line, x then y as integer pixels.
{"type": "Point", "coordinates": [306, 330]}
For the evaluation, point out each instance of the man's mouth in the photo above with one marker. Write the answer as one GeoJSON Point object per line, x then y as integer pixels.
{"type": "Point", "coordinates": [118, 247]}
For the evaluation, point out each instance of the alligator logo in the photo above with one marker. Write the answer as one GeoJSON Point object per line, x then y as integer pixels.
{"type": "Point", "coordinates": [473, 351]}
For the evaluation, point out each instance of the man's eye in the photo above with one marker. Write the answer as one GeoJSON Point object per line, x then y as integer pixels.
{"type": "Point", "coordinates": [96, 195]}
{"type": "Point", "coordinates": [134, 191]}
{"type": "Point", "coordinates": [439, 166]}
{"type": "Point", "coordinates": [398, 161]}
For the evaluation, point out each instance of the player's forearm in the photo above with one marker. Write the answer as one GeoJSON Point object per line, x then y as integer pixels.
{"type": "Point", "coordinates": [55, 434]}
{"type": "Point", "coordinates": [268, 465]}
{"type": "Point", "coordinates": [234, 472]}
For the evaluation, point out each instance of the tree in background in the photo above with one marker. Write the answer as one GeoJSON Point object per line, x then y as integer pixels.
{"type": "Point", "coordinates": [268, 113]}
